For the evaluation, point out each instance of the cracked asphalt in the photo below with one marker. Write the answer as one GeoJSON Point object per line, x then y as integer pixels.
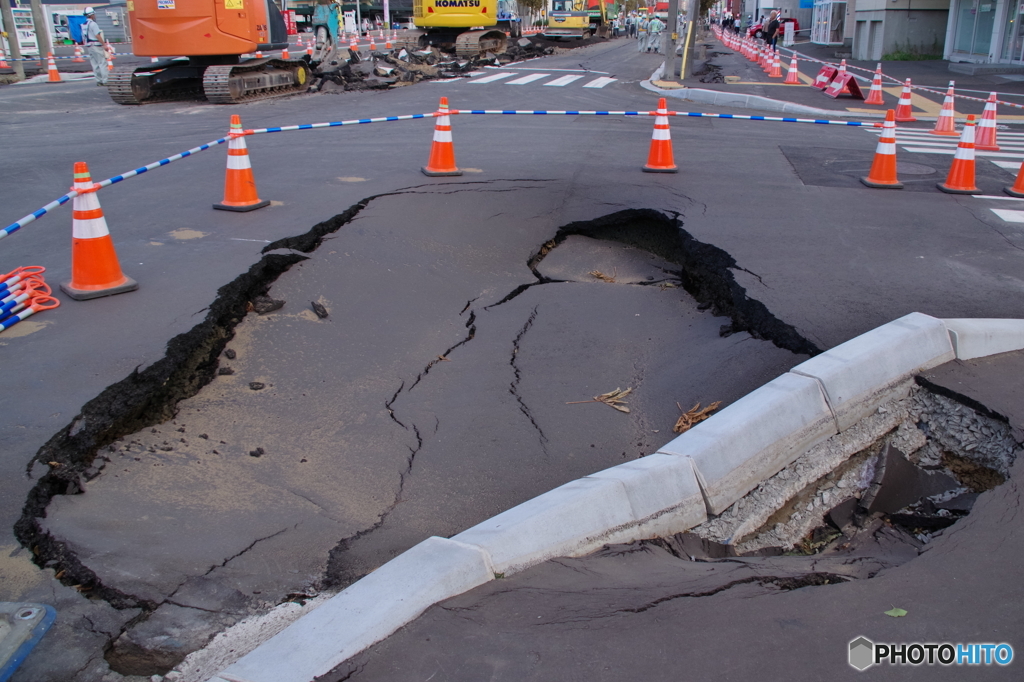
{"type": "Point", "coordinates": [434, 394]}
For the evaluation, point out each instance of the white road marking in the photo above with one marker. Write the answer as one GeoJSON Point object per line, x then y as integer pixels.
{"type": "Point", "coordinates": [528, 79]}
{"type": "Point", "coordinates": [563, 81]}
{"type": "Point", "coordinates": [493, 77]}
{"type": "Point", "coordinates": [600, 82]}
{"type": "Point", "coordinates": [1008, 215]}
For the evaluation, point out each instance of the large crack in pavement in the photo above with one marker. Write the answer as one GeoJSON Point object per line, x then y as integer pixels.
{"type": "Point", "coordinates": [151, 396]}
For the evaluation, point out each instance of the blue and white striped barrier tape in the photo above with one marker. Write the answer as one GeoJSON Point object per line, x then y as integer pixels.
{"type": "Point", "coordinates": [14, 227]}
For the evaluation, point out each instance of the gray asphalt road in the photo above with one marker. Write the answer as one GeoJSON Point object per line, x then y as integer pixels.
{"type": "Point", "coordinates": [425, 401]}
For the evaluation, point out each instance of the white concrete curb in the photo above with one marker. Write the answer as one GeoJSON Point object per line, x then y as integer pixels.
{"type": "Point", "coordinates": [706, 469]}
{"type": "Point", "coordinates": [365, 613]}
{"type": "Point", "coordinates": [977, 338]}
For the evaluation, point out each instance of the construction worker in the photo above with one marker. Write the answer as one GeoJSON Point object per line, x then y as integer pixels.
{"type": "Point", "coordinates": [92, 36]}
{"type": "Point", "coordinates": [654, 29]}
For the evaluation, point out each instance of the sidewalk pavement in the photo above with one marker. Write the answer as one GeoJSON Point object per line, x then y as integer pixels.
{"type": "Point", "coordinates": [750, 79]}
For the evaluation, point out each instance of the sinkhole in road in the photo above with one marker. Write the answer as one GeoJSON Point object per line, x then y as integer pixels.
{"type": "Point", "coordinates": [274, 455]}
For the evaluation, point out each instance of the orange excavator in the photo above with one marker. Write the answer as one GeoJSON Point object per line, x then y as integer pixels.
{"type": "Point", "coordinates": [215, 35]}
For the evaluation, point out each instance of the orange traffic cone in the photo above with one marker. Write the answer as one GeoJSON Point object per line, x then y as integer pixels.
{"type": "Point", "coordinates": [95, 270]}
{"type": "Point", "coordinates": [110, 61]}
{"type": "Point", "coordinates": [309, 47]}
{"type": "Point", "coordinates": [766, 61]}
{"type": "Point", "coordinates": [946, 123]}
{"type": "Point", "coordinates": [793, 76]}
{"type": "Point", "coordinates": [354, 45]}
{"type": "Point", "coordinates": [961, 174]}
{"type": "Point", "coordinates": [387, 43]}
{"type": "Point", "coordinates": [51, 69]}
{"type": "Point", "coordinates": [842, 72]}
{"type": "Point", "coordinates": [1018, 186]}
{"type": "Point", "coordinates": [373, 44]}
{"type": "Point", "coordinates": [3, 60]}
{"type": "Point", "coordinates": [883, 169]}
{"type": "Point", "coordinates": [78, 54]}
{"type": "Point", "coordinates": [259, 54]}
{"type": "Point", "coordinates": [659, 160]}
{"type": "Point", "coordinates": [284, 54]}
{"type": "Point", "coordinates": [904, 110]}
{"type": "Point", "coordinates": [987, 127]}
{"type": "Point", "coordinates": [776, 71]}
{"type": "Point", "coordinates": [442, 151]}
{"type": "Point", "coordinates": [239, 184]}
{"type": "Point", "coordinates": [875, 94]}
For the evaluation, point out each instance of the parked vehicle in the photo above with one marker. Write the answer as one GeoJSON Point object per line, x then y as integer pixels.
{"type": "Point", "coordinates": [757, 30]}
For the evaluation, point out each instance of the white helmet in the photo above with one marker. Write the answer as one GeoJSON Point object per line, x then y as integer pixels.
{"type": "Point", "coordinates": [88, 10]}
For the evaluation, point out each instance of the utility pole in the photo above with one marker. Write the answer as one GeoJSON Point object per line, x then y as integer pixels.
{"type": "Point", "coordinates": [11, 33]}
{"type": "Point", "coordinates": [671, 38]}
{"type": "Point", "coordinates": [42, 29]}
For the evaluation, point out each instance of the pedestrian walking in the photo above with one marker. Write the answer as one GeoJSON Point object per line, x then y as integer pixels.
{"type": "Point", "coordinates": [771, 30]}
{"type": "Point", "coordinates": [93, 39]}
{"type": "Point", "coordinates": [641, 35]}
{"type": "Point", "coordinates": [654, 29]}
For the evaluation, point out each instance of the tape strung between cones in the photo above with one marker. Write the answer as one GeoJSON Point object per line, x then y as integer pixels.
{"type": "Point", "coordinates": [95, 270]}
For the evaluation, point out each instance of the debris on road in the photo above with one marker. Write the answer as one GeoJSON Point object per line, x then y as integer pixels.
{"type": "Point", "coordinates": [687, 420]}
{"type": "Point", "coordinates": [611, 399]}
{"type": "Point", "coordinates": [320, 310]}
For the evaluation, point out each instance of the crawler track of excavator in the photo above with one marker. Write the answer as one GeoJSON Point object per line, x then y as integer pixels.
{"type": "Point", "coordinates": [466, 45]}
{"type": "Point", "coordinates": [251, 80]}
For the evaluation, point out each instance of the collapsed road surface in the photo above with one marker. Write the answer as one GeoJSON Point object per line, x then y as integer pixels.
{"type": "Point", "coordinates": [437, 386]}
{"type": "Point", "coordinates": [490, 391]}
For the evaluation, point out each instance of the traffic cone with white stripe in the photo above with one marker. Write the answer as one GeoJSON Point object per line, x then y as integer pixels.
{"type": "Point", "coordinates": [95, 270]}
{"type": "Point", "coordinates": [78, 55]}
{"type": "Point", "coordinates": [239, 184]}
{"type": "Point", "coordinates": [904, 110]}
{"type": "Point", "coordinates": [1018, 186]}
{"type": "Point", "coordinates": [660, 160]}
{"type": "Point", "coordinates": [946, 123]}
{"type": "Point", "coordinates": [110, 60]}
{"type": "Point", "coordinates": [776, 71]}
{"type": "Point", "coordinates": [373, 44]}
{"type": "Point", "coordinates": [961, 174]}
{"type": "Point", "coordinates": [259, 54]}
{"type": "Point", "coordinates": [842, 72]}
{"type": "Point", "coordinates": [442, 151]}
{"type": "Point", "coordinates": [883, 169]}
{"type": "Point", "coordinates": [51, 70]}
{"type": "Point", "coordinates": [766, 62]}
{"type": "Point", "coordinates": [793, 76]}
{"type": "Point", "coordinates": [3, 60]}
{"type": "Point", "coordinates": [875, 94]}
{"type": "Point", "coordinates": [284, 54]}
{"type": "Point", "coordinates": [987, 127]}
